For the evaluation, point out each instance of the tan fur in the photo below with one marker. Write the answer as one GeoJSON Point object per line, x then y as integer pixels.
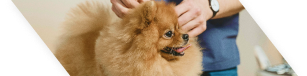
{"type": "Point", "coordinates": [97, 43]}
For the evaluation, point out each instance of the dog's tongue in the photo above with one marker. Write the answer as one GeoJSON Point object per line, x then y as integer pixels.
{"type": "Point", "coordinates": [182, 49]}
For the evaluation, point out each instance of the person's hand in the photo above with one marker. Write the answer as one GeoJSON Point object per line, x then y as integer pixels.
{"type": "Point", "coordinates": [121, 7]}
{"type": "Point", "coordinates": [193, 15]}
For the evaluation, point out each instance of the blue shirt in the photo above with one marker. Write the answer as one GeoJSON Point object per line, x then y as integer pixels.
{"type": "Point", "coordinates": [219, 41]}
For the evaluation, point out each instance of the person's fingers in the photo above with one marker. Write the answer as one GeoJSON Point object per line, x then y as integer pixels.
{"type": "Point", "coordinates": [119, 8]}
{"type": "Point", "coordinates": [182, 8]}
{"type": "Point", "coordinates": [141, 1]}
{"type": "Point", "coordinates": [186, 12]}
{"type": "Point", "coordinates": [192, 24]}
{"type": "Point", "coordinates": [188, 16]}
{"type": "Point", "coordinates": [115, 11]}
{"type": "Point", "coordinates": [198, 30]}
{"type": "Point", "coordinates": [130, 3]}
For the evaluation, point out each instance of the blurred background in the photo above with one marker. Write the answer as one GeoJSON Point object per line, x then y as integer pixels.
{"type": "Point", "coordinates": [256, 50]}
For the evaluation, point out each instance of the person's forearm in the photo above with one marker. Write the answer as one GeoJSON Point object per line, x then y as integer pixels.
{"type": "Point", "coordinates": [228, 8]}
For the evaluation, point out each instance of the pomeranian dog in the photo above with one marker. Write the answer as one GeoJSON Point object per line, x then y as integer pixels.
{"type": "Point", "coordinates": [145, 42]}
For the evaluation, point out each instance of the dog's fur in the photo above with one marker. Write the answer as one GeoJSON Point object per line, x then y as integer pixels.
{"type": "Point", "coordinates": [96, 42]}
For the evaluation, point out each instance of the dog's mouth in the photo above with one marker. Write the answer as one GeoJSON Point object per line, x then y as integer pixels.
{"type": "Point", "coordinates": [176, 51]}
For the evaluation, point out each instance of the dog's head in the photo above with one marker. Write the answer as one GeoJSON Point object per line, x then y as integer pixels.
{"type": "Point", "coordinates": [155, 24]}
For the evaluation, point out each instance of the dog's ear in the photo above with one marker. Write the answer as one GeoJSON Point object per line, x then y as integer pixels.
{"type": "Point", "coordinates": [148, 13]}
{"type": "Point", "coordinates": [142, 16]}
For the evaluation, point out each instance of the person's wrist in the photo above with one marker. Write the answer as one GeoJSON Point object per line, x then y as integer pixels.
{"type": "Point", "coordinates": [215, 7]}
{"type": "Point", "coordinates": [208, 11]}
{"type": "Point", "coordinates": [209, 14]}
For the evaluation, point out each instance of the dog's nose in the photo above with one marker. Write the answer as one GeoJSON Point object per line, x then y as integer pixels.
{"type": "Point", "coordinates": [185, 37]}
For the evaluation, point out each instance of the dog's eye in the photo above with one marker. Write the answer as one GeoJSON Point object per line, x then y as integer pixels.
{"type": "Point", "coordinates": [169, 34]}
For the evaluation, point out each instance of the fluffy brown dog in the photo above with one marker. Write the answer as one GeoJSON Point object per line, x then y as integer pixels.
{"type": "Point", "coordinates": [146, 42]}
